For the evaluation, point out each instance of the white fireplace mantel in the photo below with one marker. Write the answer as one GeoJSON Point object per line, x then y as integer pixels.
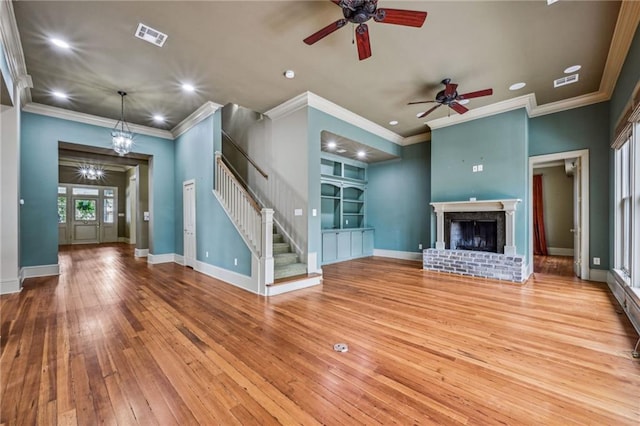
{"type": "Point", "coordinates": [507, 205]}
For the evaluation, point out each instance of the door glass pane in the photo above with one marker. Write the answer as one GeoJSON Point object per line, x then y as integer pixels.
{"type": "Point", "coordinates": [86, 191]}
{"type": "Point", "coordinates": [108, 210]}
{"type": "Point", "coordinates": [108, 193]}
{"type": "Point", "coordinates": [85, 209]}
{"type": "Point", "coordinates": [62, 209]}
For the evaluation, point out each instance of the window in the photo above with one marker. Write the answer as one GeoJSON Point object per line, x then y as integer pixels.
{"type": "Point", "coordinates": [107, 211]}
{"type": "Point", "coordinates": [62, 204]}
{"type": "Point", "coordinates": [86, 191]}
{"type": "Point", "coordinates": [85, 209]}
{"type": "Point", "coordinates": [627, 202]}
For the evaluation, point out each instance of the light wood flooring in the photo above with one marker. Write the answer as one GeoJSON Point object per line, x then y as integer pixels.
{"type": "Point", "coordinates": [117, 341]}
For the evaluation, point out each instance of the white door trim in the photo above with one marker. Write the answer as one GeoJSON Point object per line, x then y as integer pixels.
{"type": "Point", "coordinates": [583, 155]}
{"type": "Point", "coordinates": [189, 251]}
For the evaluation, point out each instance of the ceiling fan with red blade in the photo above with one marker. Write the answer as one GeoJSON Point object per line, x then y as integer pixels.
{"type": "Point", "coordinates": [360, 11]}
{"type": "Point", "coordinates": [450, 97]}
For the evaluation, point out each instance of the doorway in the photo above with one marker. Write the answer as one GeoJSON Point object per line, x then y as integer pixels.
{"type": "Point", "coordinates": [576, 164]}
{"type": "Point", "coordinates": [87, 214]}
{"type": "Point", "coordinates": [189, 221]}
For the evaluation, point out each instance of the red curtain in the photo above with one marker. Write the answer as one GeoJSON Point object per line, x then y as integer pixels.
{"type": "Point", "coordinates": [539, 240]}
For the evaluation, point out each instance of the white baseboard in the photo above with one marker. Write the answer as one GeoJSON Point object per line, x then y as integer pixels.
{"type": "Point", "coordinates": [599, 275]}
{"type": "Point", "coordinates": [141, 252]}
{"type": "Point", "coordinates": [10, 286]}
{"type": "Point", "coordinates": [559, 251]}
{"type": "Point", "coordinates": [154, 259]}
{"type": "Point", "coordinates": [179, 259]}
{"type": "Point", "coordinates": [230, 277]}
{"type": "Point", "coordinates": [123, 240]}
{"type": "Point", "coordinates": [396, 254]}
{"type": "Point", "coordinates": [39, 271]}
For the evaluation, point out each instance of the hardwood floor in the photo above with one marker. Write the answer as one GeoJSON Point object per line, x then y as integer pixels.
{"type": "Point", "coordinates": [114, 340]}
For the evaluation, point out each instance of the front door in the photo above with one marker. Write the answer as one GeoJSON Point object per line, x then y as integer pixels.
{"type": "Point", "coordinates": [86, 218]}
{"type": "Point", "coordinates": [189, 219]}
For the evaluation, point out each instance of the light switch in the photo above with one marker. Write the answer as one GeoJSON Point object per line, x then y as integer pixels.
{"type": "Point", "coordinates": [297, 212]}
{"type": "Point", "coordinates": [314, 212]}
{"type": "Point", "coordinates": [475, 169]}
{"type": "Point", "coordinates": [480, 167]}
{"type": "Point", "coordinates": [145, 216]}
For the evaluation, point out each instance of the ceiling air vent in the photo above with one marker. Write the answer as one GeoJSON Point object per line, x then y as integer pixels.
{"type": "Point", "coordinates": [565, 80]}
{"type": "Point", "coordinates": [149, 34]}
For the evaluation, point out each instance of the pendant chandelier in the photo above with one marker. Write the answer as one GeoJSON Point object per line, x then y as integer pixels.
{"type": "Point", "coordinates": [91, 172]}
{"type": "Point", "coordinates": [121, 136]}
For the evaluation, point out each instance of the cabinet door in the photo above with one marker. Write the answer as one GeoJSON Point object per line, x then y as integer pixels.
{"type": "Point", "coordinates": [329, 246]}
{"type": "Point", "coordinates": [367, 242]}
{"type": "Point", "coordinates": [344, 245]}
{"type": "Point", "coordinates": [356, 243]}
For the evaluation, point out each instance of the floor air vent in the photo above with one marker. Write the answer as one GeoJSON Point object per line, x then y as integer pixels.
{"type": "Point", "coordinates": [149, 34]}
{"type": "Point", "coordinates": [565, 80]}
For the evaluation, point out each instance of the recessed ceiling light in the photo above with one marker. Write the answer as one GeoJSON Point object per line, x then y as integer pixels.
{"type": "Point", "coordinates": [60, 43]}
{"type": "Point", "coordinates": [517, 86]}
{"type": "Point", "coordinates": [289, 74]}
{"type": "Point", "coordinates": [572, 69]}
{"type": "Point", "coordinates": [331, 145]}
{"type": "Point", "coordinates": [393, 122]}
{"type": "Point", "coordinates": [188, 87]}
{"type": "Point", "coordinates": [463, 101]}
{"type": "Point", "coordinates": [158, 117]}
{"type": "Point", "coordinates": [59, 95]}
{"type": "Point", "coordinates": [361, 154]}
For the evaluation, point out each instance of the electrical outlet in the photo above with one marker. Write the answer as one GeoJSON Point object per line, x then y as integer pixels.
{"type": "Point", "coordinates": [346, 221]}
{"type": "Point", "coordinates": [206, 254]}
{"type": "Point", "coordinates": [474, 168]}
{"type": "Point", "coordinates": [235, 261]}
{"type": "Point", "coordinates": [596, 260]}
{"type": "Point", "coordinates": [314, 212]}
{"type": "Point", "coordinates": [480, 167]}
{"type": "Point", "coordinates": [420, 246]}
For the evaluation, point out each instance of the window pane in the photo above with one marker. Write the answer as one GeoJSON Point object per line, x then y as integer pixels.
{"type": "Point", "coordinates": [85, 209]}
{"type": "Point", "coordinates": [108, 193]}
{"type": "Point", "coordinates": [86, 191]}
{"type": "Point", "coordinates": [62, 209]}
{"type": "Point", "coordinates": [108, 210]}
{"type": "Point", "coordinates": [626, 235]}
{"type": "Point", "coordinates": [62, 190]}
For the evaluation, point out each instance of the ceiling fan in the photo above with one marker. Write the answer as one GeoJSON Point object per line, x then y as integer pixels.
{"type": "Point", "coordinates": [450, 97]}
{"type": "Point", "coordinates": [360, 11]}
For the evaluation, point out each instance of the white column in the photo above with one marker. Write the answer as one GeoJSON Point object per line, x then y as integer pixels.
{"type": "Point", "coordinates": [509, 234]}
{"type": "Point", "coordinates": [266, 249]}
{"type": "Point", "coordinates": [439, 227]}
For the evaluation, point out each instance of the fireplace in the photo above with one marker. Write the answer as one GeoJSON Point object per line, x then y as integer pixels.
{"type": "Point", "coordinates": [475, 231]}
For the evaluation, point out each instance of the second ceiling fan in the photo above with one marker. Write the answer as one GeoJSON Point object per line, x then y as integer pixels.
{"type": "Point", "coordinates": [450, 97]}
{"type": "Point", "coordinates": [360, 11]}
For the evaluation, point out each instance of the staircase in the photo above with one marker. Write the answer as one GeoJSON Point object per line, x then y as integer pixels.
{"type": "Point", "coordinates": [285, 263]}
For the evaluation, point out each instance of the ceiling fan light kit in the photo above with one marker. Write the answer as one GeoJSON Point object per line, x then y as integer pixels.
{"type": "Point", "coordinates": [360, 11]}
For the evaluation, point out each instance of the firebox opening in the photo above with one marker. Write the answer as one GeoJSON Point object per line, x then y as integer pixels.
{"type": "Point", "coordinates": [476, 235]}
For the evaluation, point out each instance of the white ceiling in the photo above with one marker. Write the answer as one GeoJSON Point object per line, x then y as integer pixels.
{"type": "Point", "coordinates": [237, 51]}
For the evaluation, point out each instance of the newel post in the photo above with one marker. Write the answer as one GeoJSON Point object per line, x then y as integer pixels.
{"type": "Point", "coordinates": [266, 260]}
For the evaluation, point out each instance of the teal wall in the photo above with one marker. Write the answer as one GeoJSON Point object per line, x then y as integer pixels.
{"type": "Point", "coordinates": [39, 181]}
{"type": "Point", "coordinates": [319, 121]}
{"type": "Point", "coordinates": [215, 233]}
{"type": "Point", "coordinates": [627, 81]}
{"type": "Point", "coordinates": [500, 144]}
{"type": "Point", "coordinates": [398, 196]}
{"type": "Point", "coordinates": [575, 129]}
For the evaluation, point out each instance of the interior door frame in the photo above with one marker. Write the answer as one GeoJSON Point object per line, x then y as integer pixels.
{"type": "Point", "coordinates": [583, 156]}
{"type": "Point", "coordinates": [189, 261]}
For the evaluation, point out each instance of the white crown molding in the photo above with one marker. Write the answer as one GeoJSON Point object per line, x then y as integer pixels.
{"type": "Point", "coordinates": [10, 39]}
{"type": "Point", "coordinates": [94, 120]}
{"type": "Point", "coordinates": [626, 25]}
{"type": "Point", "coordinates": [422, 137]}
{"type": "Point", "coordinates": [567, 104]}
{"type": "Point", "coordinates": [207, 109]}
{"type": "Point", "coordinates": [309, 99]}
{"type": "Point", "coordinates": [525, 101]}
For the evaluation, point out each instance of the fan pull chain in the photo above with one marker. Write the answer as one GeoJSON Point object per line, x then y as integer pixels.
{"type": "Point", "coordinates": [353, 33]}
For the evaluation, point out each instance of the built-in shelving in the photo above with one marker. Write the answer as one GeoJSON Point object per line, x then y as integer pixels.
{"type": "Point", "coordinates": [343, 208]}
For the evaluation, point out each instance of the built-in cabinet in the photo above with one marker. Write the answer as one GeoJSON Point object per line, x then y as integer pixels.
{"type": "Point", "coordinates": [345, 234]}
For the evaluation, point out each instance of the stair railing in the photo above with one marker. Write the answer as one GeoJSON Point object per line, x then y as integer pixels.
{"type": "Point", "coordinates": [255, 224]}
